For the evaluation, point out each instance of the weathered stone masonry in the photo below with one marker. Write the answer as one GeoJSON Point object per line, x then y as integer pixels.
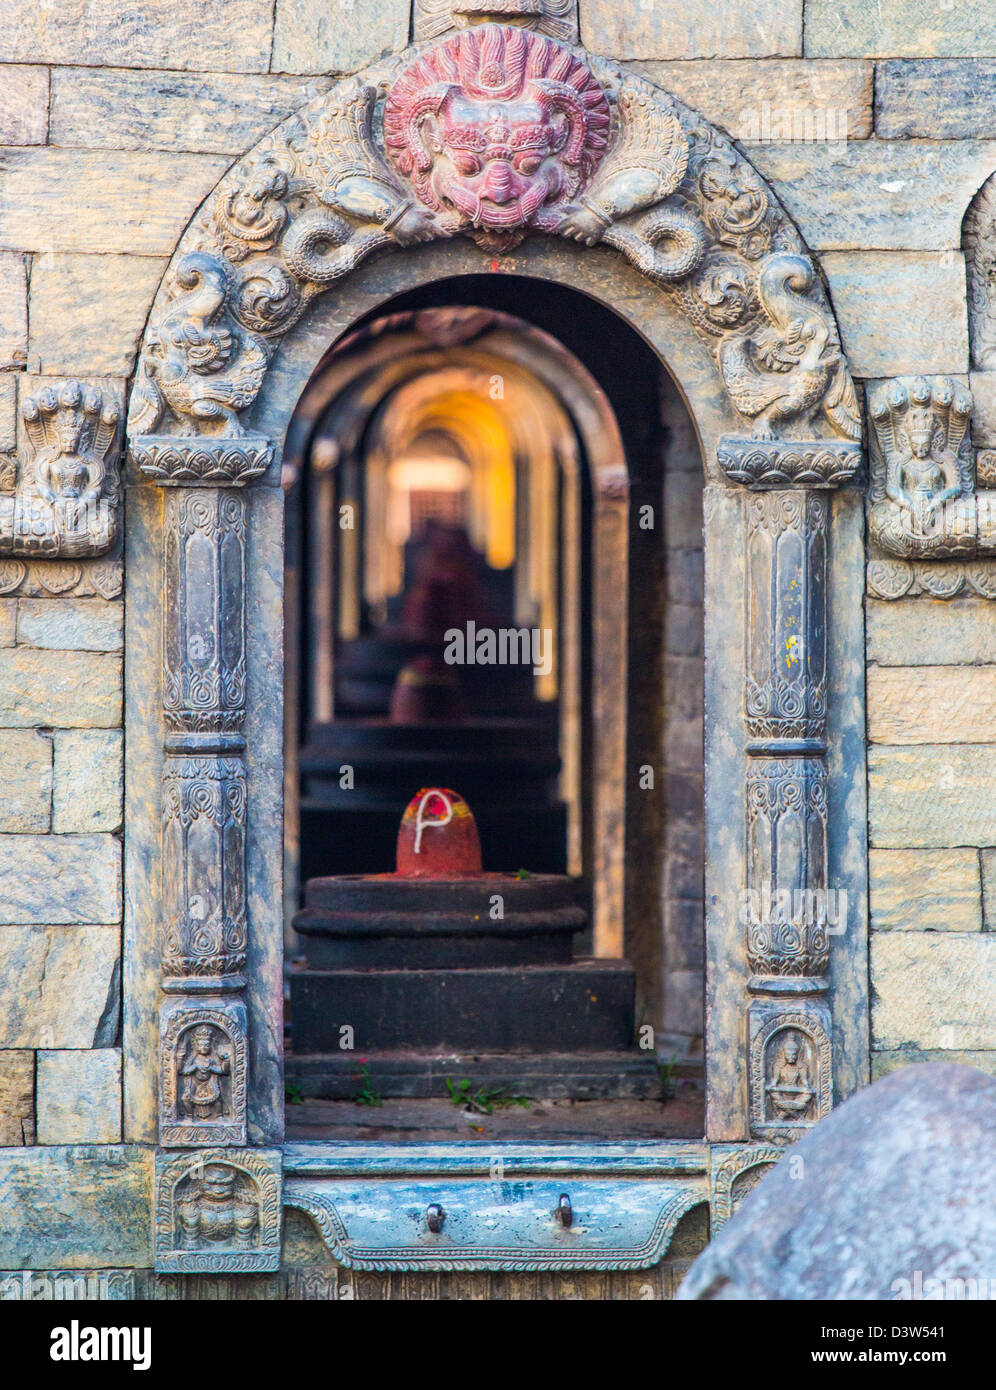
{"type": "Point", "coordinates": [876, 133]}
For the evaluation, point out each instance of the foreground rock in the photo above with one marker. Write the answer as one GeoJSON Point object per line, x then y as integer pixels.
{"type": "Point", "coordinates": [888, 1195]}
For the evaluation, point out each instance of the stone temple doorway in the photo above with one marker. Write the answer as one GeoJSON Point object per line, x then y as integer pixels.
{"type": "Point", "coordinates": [495, 455]}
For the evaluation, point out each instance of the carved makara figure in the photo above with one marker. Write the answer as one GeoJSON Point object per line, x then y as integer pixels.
{"type": "Point", "coordinates": [220, 1206]}
{"type": "Point", "coordinates": [204, 1064]}
{"type": "Point", "coordinates": [790, 1090]}
{"type": "Point", "coordinates": [497, 128]}
{"type": "Point", "coordinates": [66, 490]}
{"type": "Point", "coordinates": [198, 360]}
{"type": "Point", "coordinates": [791, 369]}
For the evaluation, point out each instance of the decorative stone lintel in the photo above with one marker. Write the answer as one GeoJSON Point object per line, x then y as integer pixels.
{"type": "Point", "coordinates": [202, 460]}
{"type": "Point", "coordinates": [558, 18]}
{"type": "Point", "coordinates": [218, 1211]}
{"type": "Point", "coordinates": [779, 463]}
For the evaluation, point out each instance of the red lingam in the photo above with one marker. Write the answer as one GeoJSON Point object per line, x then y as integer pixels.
{"type": "Point", "coordinates": [438, 837]}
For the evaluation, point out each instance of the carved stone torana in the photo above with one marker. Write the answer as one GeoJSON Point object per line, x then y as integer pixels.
{"type": "Point", "coordinates": [204, 1073]}
{"type": "Point", "coordinates": [558, 18]}
{"type": "Point", "coordinates": [218, 1210]}
{"type": "Point", "coordinates": [61, 499]}
{"type": "Point", "coordinates": [493, 133]}
{"type": "Point", "coordinates": [790, 1068]}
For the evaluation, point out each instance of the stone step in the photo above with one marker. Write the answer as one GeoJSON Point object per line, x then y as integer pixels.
{"type": "Point", "coordinates": [632, 1075]}
{"type": "Point", "coordinates": [588, 1005]}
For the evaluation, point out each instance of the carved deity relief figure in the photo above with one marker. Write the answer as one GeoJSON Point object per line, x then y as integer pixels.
{"type": "Point", "coordinates": [218, 1205]}
{"type": "Point", "coordinates": [498, 126]}
{"type": "Point", "coordinates": [922, 495]}
{"type": "Point", "coordinates": [790, 1092]}
{"type": "Point", "coordinates": [205, 1062]}
{"type": "Point", "coordinates": [65, 493]}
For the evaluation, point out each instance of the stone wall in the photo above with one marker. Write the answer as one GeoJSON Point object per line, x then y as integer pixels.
{"type": "Point", "coordinates": [874, 124]}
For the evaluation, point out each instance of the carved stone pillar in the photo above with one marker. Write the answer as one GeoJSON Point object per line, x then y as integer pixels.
{"type": "Point", "coordinates": [786, 902]}
{"type": "Point", "coordinates": [209, 1206]}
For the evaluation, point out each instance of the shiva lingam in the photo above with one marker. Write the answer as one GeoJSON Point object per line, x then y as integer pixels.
{"type": "Point", "coordinates": [441, 960]}
{"type": "Point", "coordinates": [439, 908]}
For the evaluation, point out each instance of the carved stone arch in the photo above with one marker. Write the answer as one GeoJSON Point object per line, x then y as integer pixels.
{"type": "Point", "coordinates": [433, 149]}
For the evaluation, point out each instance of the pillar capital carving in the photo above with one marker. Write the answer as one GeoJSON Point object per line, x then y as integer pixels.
{"type": "Point", "coordinates": [201, 461]}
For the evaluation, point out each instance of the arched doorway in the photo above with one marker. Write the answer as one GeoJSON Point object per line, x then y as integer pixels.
{"type": "Point", "coordinates": [655, 215]}
{"type": "Point", "coordinates": [592, 544]}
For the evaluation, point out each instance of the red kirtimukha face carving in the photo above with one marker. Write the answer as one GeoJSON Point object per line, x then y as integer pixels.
{"type": "Point", "coordinates": [494, 127]}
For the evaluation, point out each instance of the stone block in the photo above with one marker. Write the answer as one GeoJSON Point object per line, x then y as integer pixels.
{"type": "Point", "coordinates": [938, 99]}
{"type": "Point", "coordinates": [59, 879]}
{"type": "Point", "coordinates": [71, 624]}
{"type": "Point", "coordinates": [8, 410]}
{"type": "Point", "coordinates": [17, 1098]}
{"type": "Point", "coordinates": [932, 704]}
{"type": "Point", "coordinates": [933, 991]}
{"type": "Point", "coordinates": [919, 322]}
{"type": "Point", "coordinates": [930, 632]}
{"type": "Point", "coordinates": [88, 313]}
{"type": "Point", "coordinates": [56, 984]}
{"type": "Point", "coordinates": [79, 1097]}
{"type": "Point", "coordinates": [233, 37]}
{"type": "Point", "coordinates": [871, 195]}
{"type": "Point", "coordinates": [988, 861]}
{"type": "Point", "coordinates": [885, 1062]}
{"type": "Point", "coordinates": [898, 29]}
{"type": "Point", "coordinates": [88, 780]}
{"type": "Point", "coordinates": [76, 1207]}
{"type": "Point", "coordinates": [99, 201]}
{"type": "Point", "coordinates": [983, 388]}
{"type": "Point", "coordinates": [931, 796]}
{"type": "Point", "coordinates": [26, 775]}
{"type": "Point", "coordinates": [338, 36]}
{"type": "Point", "coordinates": [23, 104]}
{"type": "Point", "coordinates": [750, 95]}
{"type": "Point", "coordinates": [198, 113]}
{"type": "Point", "coordinates": [70, 690]}
{"type": "Point", "coordinates": [737, 29]}
{"type": "Point", "coordinates": [683, 1002]}
{"type": "Point", "coordinates": [13, 315]}
{"type": "Point", "coordinates": [8, 622]}
{"type": "Point", "coordinates": [924, 890]}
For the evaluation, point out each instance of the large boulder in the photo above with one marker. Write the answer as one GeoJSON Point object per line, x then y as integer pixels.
{"type": "Point", "coordinates": [894, 1190]}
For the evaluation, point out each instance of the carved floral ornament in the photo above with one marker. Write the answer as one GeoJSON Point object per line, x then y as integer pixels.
{"type": "Point", "coordinates": [496, 132]}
